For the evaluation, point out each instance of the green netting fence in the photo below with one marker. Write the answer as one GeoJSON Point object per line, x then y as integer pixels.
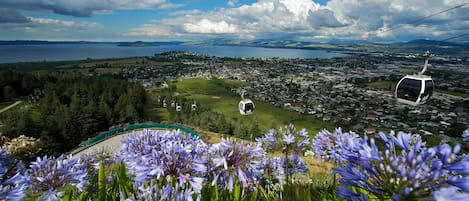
{"type": "Point", "coordinates": [107, 134]}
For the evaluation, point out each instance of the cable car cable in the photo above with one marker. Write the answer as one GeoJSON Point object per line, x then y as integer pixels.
{"type": "Point", "coordinates": [454, 37]}
{"type": "Point", "coordinates": [426, 17]}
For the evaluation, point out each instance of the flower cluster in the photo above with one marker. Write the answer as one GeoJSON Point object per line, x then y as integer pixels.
{"type": "Point", "coordinates": [13, 181]}
{"type": "Point", "coordinates": [333, 146]}
{"type": "Point", "coordinates": [231, 159]}
{"type": "Point", "coordinates": [164, 155]}
{"type": "Point", "coordinates": [276, 166]}
{"type": "Point", "coordinates": [50, 174]}
{"type": "Point", "coordinates": [465, 134]}
{"type": "Point", "coordinates": [153, 192]}
{"type": "Point", "coordinates": [286, 138]}
{"type": "Point", "coordinates": [404, 169]}
{"type": "Point", "coordinates": [292, 143]}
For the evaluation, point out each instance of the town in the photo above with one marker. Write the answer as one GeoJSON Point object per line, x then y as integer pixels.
{"type": "Point", "coordinates": [354, 92]}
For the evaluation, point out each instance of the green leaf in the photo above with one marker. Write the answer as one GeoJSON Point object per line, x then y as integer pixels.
{"type": "Point", "coordinates": [237, 191]}
{"type": "Point", "coordinates": [101, 183]}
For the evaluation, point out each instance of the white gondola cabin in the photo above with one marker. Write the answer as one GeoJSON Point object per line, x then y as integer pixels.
{"type": "Point", "coordinates": [246, 106]}
{"type": "Point", "coordinates": [194, 106]}
{"type": "Point", "coordinates": [178, 108]}
{"type": "Point", "coordinates": [415, 89]}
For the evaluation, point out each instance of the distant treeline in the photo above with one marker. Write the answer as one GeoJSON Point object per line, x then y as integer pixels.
{"type": "Point", "coordinates": [67, 108]}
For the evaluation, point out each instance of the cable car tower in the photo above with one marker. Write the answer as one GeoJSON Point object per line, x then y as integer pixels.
{"type": "Point", "coordinates": [415, 89]}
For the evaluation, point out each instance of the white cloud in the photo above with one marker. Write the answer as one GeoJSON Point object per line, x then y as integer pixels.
{"type": "Point", "coordinates": [232, 3]}
{"type": "Point", "coordinates": [62, 23]}
{"type": "Point", "coordinates": [340, 19]}
{"type": "Point", "coordinates": [292, 19]}
{"type": "Point", "coordinates": [210, 27]}
{"type": "Point", "coordinates": [150, 30]}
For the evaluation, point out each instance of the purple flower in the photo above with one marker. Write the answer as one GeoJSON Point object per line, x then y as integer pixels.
{"type": "Point", "coordinates": [465, 134]}
{"type": "Point", "coordinates": [460, 182]}
{"type": "Point", "coordinates": [450, 194]}
{"type": "Point", "coordinates": [335, 146]}
{"type": "Point", "coordinates": [233, 160]}
{"type": "Point", "coordinates": [52, 174]}
{"type": "Point", "coordinates": [13, 182]}
{"type": "Point", "coordinates": [288, 138]}
{"type": "Point", "coordinates": [297, 142]}
{"type": "Point", "coordinates": [402, 140]}
{"type": "Point", "coordinates": [461, 166]}
{"type": "Point", "coordinates": [157, 155]}
{"type": "Point", "coordinates": [348, 194]}
{"type": "Point", "coordinates": [404, 169]}
{"type": "Point", "coordinates": [275, 166]}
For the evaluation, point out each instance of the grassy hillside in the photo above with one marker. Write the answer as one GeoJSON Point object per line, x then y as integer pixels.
{"type": "Point", "coordinates": [217, 95]}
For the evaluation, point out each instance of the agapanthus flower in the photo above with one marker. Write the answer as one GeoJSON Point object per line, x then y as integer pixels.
{"type": "Point", "coordinates": [50, 174]}
{"type": "Point", "coordinates": [334, 146]}
{"type": "Point", "coordinates": [465, 134]}
{"type": "Point", "coordinates": [404, 169]}
{"type": "Point", "coordinates": [276, 166]}
{"type": "Point", "coordinates": [287, 138]}
{"type": "Point", "coordinates": [155, 155]}
{"type": "Point", "coordinates": [232, 160]}
{"type": "Point", "coordinates": [153, 192]}
{"type": "Point", "coordinates": [91, 161]}
{"type": "Point", "coordinates": [13, 182]}
{"type": "Point", "coordinates": [450, 193]}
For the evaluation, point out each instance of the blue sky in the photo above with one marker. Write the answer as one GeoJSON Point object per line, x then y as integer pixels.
{"type": "Point", "coordinates": [188, 20]}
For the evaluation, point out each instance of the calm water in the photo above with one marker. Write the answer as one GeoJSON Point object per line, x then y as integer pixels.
{"type": "Point", "coordinates": [60, 52]}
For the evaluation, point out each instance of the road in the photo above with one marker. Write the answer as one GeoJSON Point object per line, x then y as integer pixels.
{"type": "Point", "coordinates": [10, 106]}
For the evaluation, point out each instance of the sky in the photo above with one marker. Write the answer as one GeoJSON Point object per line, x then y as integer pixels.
{"type": "Point", "coordinates": [196, 20]}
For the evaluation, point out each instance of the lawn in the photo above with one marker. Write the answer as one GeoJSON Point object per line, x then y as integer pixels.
{"type": "Point", "coordinates": [217, 95]}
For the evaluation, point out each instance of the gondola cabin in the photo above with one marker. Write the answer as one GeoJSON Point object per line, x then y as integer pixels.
{"type": "Point", "coordinates": [246, 107]}
{"type": "Point", "coordinates": [414, 89]}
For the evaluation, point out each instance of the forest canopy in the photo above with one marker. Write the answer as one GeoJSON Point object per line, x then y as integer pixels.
{"type": "Point", "coordinates": [66, 108]}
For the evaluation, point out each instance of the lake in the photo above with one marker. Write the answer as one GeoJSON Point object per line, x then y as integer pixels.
{"type": "Point", "coordinates": [62, 52]}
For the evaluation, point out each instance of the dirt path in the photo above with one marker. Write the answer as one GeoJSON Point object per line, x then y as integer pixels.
{"type": "Point", "coordinates": [10, 106]}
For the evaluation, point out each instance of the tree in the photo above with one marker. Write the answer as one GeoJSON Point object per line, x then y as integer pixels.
{"type": "Point", "coordinates": [9, 93]}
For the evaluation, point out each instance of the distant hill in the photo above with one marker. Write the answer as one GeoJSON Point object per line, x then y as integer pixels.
{"type": "Point", "coordinates": [435, 42]}
{"type": "Point", "coordinates": [43, 42]}
{"type": "Point", "coordinates": [437, 47]}
{"type": "Point", "coordinates": [414, 46]}
{"type": "Point", "coordinates": [145, 44]}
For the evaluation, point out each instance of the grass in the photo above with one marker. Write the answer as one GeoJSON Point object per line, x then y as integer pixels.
{"type": "Point", "coordinates": [386, 85]}
{"type": "Point", "coordinates": [217, 95]}
{"type": "Point", "coordinates": [155, 113]}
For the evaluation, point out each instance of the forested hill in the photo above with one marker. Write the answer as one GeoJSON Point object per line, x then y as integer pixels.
{"type": "Point", "coordinates": [67, 108]}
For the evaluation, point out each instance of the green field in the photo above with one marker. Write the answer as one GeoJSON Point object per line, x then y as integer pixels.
{"type": "Point", "coordinates": [216, 95]}
{"type": "Point", "coordinates": [386, 85]}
